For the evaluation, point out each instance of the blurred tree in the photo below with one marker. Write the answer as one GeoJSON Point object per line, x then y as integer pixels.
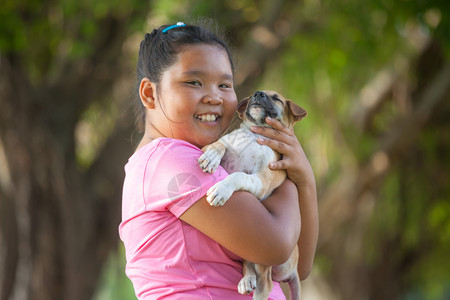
{"type": "Point", "coordinates": [59, 218]}
{"type": "Point", "coordinates": [373, 75]}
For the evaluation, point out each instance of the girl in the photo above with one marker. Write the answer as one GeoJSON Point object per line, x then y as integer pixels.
{"type": "Point", "coordinates": [177, 245]}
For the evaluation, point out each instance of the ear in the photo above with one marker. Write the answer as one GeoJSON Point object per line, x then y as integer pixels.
{"type": "Point", "coordinates": [147, 93]}
{"type": "Point", "coordinates": [242, 106]}
{"type": "Point", "coordinates": [297, 112]}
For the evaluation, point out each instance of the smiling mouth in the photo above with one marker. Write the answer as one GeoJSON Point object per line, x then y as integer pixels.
{"type": "Point", "coordinates": [207, 117]}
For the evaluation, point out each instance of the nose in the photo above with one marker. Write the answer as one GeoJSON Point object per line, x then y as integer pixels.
{"type": "Point", "coordinates": [259, 94]}
{"type": "Point", "coordinates": [212, 98]}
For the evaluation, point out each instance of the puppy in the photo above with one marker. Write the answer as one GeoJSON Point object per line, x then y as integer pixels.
{"type": "Point", "coordinates": [247, 162]}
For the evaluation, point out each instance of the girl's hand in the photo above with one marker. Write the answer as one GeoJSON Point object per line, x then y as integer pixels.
{"type": "Point", "coordinates": [283, 140]}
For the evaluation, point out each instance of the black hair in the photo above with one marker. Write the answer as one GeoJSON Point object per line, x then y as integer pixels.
{"type": "Point", "coordinates": [159, 50]}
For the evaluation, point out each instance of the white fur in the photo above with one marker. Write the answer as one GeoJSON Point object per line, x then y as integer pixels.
{"type": "Point", "coordinates": [244, 158]}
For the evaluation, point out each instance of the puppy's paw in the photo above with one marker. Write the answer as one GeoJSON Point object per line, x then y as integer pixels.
{"type": "Point", "coordinates": [210, 160]}
{"type": "Point", "coordinates": [219, 193]}
{"type": "Point", "coordinates": [247, 284]}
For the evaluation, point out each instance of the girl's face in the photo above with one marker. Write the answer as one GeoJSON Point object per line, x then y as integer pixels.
{"type": "Point", "coordinates": [195, 100]}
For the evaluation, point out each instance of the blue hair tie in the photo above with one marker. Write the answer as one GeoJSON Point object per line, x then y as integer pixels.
{"type": "Point", "coordinates": [179, 24]}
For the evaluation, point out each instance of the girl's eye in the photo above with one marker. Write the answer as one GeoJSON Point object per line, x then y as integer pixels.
{"type": "Point", "coordinates": [225, 86]}
{"type": "Point", "coordinates": [195, 83]}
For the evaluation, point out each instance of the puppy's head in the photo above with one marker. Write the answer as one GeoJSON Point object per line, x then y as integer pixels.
{"type": "Point", "coordinates": [255, 108]}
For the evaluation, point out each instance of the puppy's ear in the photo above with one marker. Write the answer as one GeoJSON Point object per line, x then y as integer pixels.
{"type": "Point", "coordinates": [242, 106]}
{"type": "Point", "coordinates": [297, 112]}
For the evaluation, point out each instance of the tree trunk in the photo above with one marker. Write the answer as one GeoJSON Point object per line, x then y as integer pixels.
{"type": "Point", "coordinates": [56, 229]}
{"type": "Point", "coordinates": [59, 222]}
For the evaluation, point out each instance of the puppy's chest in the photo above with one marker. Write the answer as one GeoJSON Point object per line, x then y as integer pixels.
{"type": "Point", "coordinates": [244, 154]}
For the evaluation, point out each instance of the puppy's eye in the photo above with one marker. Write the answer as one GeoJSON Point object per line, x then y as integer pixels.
{"type": "Point", "coordinates": [275, 97]}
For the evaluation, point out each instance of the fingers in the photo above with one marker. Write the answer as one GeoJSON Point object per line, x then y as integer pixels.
{"type": "Point", "coordinates": [274, 123]}
{"type": "Point", "coordinates": [280, 138]}
{"type": "Point", "coordinates": [283, 140]}
{"type": "Point", "coordinates": [276, 131]}
{"type": "Point", "coordinates": [278, 165]}
{"type": "Point", "coordinates": [280, 147]}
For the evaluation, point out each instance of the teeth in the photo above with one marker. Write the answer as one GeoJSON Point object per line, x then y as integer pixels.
{"type": "Point", "coordinates": [207, 118]}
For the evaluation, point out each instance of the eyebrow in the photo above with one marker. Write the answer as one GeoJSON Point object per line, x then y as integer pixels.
{"type": "Point", "coordinates": [201, 73]}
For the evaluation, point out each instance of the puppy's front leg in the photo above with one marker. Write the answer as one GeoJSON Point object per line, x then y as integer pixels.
{"type": "Point", "coordinates": [219, 193]}
{"type": "Point", "coordinates": [211, 157]}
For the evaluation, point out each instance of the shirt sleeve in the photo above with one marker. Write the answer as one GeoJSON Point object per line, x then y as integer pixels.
{"type": "Point", "coordinates": [173, 179]}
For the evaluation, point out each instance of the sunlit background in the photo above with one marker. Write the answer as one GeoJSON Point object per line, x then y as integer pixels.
{"type": "Point", "coordinates": [373, 75]}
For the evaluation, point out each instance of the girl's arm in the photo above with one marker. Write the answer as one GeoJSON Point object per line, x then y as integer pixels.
{"type": "Point", "coordinates": [261, 232]}
{"type": "Point", "coordinates": [283, 140]}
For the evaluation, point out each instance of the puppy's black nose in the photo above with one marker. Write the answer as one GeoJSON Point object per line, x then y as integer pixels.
{"type": "Point", "coordinates": [260, 94]}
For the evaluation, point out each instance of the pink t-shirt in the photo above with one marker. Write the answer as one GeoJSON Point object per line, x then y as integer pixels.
{"type": "Point", "coordinates": [166, 257]}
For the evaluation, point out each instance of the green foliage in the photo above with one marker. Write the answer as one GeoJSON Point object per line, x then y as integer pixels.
{"type": "Point", "coordinates": [114, 285]}
{"type": "Point", "coordinates": [92, 130]}
{"type": "Point", "coordinates": [413, 219]}
{"type": "Point", "coordinates": [324, 70]}
{"type": "Point", "coordinates": [45, 34]}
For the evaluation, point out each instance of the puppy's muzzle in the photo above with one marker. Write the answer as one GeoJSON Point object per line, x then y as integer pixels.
{"type": "Point", "coordinates": [265, 103]}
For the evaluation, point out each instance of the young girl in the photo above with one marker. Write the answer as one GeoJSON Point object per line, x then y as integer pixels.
{"type": "Point", "coordinates": [177, 245]}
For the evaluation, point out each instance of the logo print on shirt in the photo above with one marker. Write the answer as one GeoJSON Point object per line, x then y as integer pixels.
{"type": "Point", "coordinates": [183, 184]}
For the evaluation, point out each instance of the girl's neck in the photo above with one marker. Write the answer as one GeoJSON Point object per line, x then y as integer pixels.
{"type": "Point", "coordinates": [150, 134]}
{"type": "Point", "coordinates": [144, 141]}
